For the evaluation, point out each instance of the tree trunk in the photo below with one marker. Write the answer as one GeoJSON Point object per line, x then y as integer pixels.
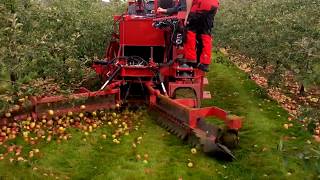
{"type": "Point", "coordinates": [301, 90]}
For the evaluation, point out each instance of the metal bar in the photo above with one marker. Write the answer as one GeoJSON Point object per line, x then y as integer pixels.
{"type": "Point", "coordinates": [111, 77]}
{"type": "Point", "coordinates": [180, 111]}
{"type": "Point", "coordinates": [36, 100]}
{"type": "Point", "coordinates": [155, 6]}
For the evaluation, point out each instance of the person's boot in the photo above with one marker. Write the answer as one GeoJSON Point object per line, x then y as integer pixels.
{"type": "Point", "coordinates": [184, 65]}
{"type": "Point", "coordinates": [203, 67]}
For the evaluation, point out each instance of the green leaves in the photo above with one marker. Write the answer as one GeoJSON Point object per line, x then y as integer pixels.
{"type": "Point", "coordinates": [47, 39]}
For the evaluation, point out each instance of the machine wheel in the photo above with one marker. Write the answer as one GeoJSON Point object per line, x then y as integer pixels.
{"type": "Point", "coordinates": [230, 139]}
{"type": "Point", "coordinates": [193, 141]}
{"type": "Point", "coordinates": [182, 93]}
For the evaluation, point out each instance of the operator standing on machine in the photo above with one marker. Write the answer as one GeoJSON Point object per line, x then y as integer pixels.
{"type": "Point", "coordinates": [181, 6]}
{"type": "Point", "coordinates": [199, 21]}
{"type": "Point", "coordinates": [146, 7]}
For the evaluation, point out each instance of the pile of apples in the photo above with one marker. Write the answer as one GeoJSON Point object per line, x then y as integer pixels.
{"type": "Point", "coordinates": [50, 127]}
{"type": "Point", "coordinates": [305, 123]}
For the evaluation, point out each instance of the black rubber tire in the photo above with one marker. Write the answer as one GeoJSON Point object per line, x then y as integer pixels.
{"type": "Point", "coordinates": [229, 139]}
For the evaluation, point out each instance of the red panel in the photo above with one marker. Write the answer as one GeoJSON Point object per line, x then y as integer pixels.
{"type": "Point", "coordinates": [187, 102]}
{"type": "Point", "coordinates": [138, 31]}
{"type": "Point", "coordinates": [136, 72]}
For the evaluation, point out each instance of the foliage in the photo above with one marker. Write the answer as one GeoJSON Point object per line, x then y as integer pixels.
{"type": "Point", "coordinates": [283, 33]}
{"type": "Point", "coordinates": [52, 38]}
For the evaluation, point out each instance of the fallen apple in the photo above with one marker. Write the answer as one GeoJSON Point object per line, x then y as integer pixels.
{"type": "Point", "coordinates": [82, 107]}
{"type": "Point", "coordinates": [90, 128]}
{"type": "Point", "coordinates": [32, 125]}
{"type": "Point", "coordinates": [22, 100]}
{"type": "Point", "coordinates": [138, 157]}
{"type": "Point", "coordinates": [51, 112]}
{"type": "Point", "coordinates": [65, 137]}
{"type": "Point", "coordinates": [70, 113]}
{"type": "Point", "coordinates": [146, 156]}
{"type": "Point", "coordinates": [85, 128]}
{"type": "Point", "coordinates": [16, 107]}
{"type": "Point", "coordinates": [190, 164]}
{"type": "Point", "coordinates": [8, 114]}
{"type": "Point", "coordinates": [25, 134]}
{"type": "Point", "coordinates": [11, 148]}
{"type": "Point", "coordinates": [50, 122]}
{"type": "Point", "coordinates": [29, 119]}
{"type": "Point", "coordinates": [31, 154]}
{"type": "Point", "coordinates": [20, 158]}
{"type": "Point", "coordinates": [193, 151]}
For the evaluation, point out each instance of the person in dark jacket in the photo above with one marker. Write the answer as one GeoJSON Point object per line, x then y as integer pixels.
{"type": "Point", "coordinates": [134, 8]}
{"type": "Point", "coordinates": [199, 23]}
{"type": "Point", "coordinates": [181, 6]}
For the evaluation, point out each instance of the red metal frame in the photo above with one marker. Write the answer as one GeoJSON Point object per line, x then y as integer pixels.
{"type": "Point", "coordinates": [136, 71]}
{"type": "Point", "coordinates": [138, 31]}
{"type": "Point", "coordinates": [194, 114]}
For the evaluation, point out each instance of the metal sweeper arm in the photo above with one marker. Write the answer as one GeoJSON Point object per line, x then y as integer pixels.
{"type": "Point", "coordinates": [188, 123]}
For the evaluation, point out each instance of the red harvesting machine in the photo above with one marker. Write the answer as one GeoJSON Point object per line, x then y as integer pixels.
{"type": "Point", "coordinates": [143, 65]}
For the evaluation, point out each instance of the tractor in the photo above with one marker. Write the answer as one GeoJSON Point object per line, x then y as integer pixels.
{"type": "Point", "coordinates": [143, 65]}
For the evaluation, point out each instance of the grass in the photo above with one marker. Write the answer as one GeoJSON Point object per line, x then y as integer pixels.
{"type": "Point", "coordinates": [263, 153]}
